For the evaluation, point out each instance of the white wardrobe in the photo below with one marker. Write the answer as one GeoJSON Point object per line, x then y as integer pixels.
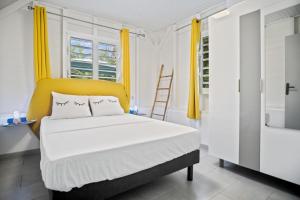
{"type": "Point", "coordinates": [237, 94]}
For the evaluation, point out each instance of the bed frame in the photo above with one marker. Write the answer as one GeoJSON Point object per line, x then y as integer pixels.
{"type": "Point", "coordinates": [109, 188]}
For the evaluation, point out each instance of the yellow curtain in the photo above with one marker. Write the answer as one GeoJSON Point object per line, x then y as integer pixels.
{"type": "Point", "coordinates": [193, 103]}
{"type": "Point", "coordinates": [41, 48]}
{"type": "Point", "coordinates": [125, 54]}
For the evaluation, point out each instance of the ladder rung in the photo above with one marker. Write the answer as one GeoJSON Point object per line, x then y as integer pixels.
{"type": "Point", "coordinates": [166, 88]}
{"type": "Point", "coordinates": [157, 114]}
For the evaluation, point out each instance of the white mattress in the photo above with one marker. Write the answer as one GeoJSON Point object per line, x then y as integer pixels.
{"type": "Point", "coordinates": [75, 152]}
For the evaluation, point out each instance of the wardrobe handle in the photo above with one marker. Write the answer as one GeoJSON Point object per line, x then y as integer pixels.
{"type": "Point", "coordinates": [261, 86]}
{"type": "Point", "coordinates": [239, 85]}
{"type": "Point", "coordinates": [288, 87]}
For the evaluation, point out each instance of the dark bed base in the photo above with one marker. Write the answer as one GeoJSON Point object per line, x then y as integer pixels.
{"type": "Point", "coordinates": [106, 189]}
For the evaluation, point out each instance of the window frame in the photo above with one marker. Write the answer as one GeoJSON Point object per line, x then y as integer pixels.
{"type": "Point", "coordinates": [118, 56]}
{"type": "Point", "coordinates": [69, 54]}
{"type": "Point", "coordinates": [203, 90]}
{"type": "Point", "coordinates": [95, 53]}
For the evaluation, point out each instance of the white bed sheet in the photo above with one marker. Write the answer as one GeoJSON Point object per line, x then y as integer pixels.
{"type": "Point", "coordinates": [75, 152]}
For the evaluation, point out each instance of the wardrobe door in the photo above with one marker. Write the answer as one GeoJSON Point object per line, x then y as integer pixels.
{"type": "Point", "coordinates": [223, 88]}
{"type": "Point", "coordinates": [250, 95]}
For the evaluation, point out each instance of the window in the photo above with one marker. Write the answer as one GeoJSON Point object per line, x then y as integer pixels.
{"type": "Point", "coordinates": [107, 63]}
{"type": "Point", "coordinates": [93, 59]}
{"type": "Point", "coordinates": [204, 63]}
{"type": "Point", "coordinates": [81, 58]}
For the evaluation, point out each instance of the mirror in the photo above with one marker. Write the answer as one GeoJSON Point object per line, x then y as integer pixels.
{"type": "Point", "coordinates": [282, 48]}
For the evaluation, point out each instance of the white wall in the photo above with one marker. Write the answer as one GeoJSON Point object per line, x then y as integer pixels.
{"type": "Point", "coordinates": [4, 3]}
{"type": "Point", "coordinates": [146, 77]}
{"type": "Point", "coordinates": [16, 62]}
{"type": "Point", "coordinates": [16, 77]}
{"type": "Point", "coordinates": [16, 71]}
{"type": "Point", "coordinates": [173, 49]}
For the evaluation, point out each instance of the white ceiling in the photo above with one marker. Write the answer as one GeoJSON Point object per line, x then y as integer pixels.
{"type": "Point", "coordinates": [4, 3]}
{"type": "Point", "coordinates": [148, 14]}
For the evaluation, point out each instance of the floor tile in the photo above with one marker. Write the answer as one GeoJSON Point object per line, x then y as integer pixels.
{"type": "Point", "coordinates": [9, 167]}
{"type": "Point", "coordinates": [21, 180]}
{"type": "Point", "coordinates": [10, 162]}
{"type": "Point", "coordinates": [220, 197]}
{"type": "Point", "coordinates": [30, 178]}
{"type": "Point", "coordinates": [9, 183]}
{"type": "Point", "coordinates": [279, 195]}
{"type": "Point", "coordinates": [246, 191]}
{"type": "Point", "coordinates": [31, 164]}
{"type": "Point", "coordinates": [35, 190]}
{"type": "Point", "coordinates": [11, 195]}
{"type": "Point", "coordinates": [43, 197]}
{"type": "Point", "coordinates": [202, 187]}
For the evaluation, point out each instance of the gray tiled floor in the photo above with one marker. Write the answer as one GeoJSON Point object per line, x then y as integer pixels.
{"type": "Point", "coordinates": [20, 179]}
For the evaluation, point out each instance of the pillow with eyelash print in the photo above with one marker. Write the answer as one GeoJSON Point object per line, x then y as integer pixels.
{"type": "Point", "coordinates": [105, 105]}
{"type": "Point", "coordinates": [66, 106]}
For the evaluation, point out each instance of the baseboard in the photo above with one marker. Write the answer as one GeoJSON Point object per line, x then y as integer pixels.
{"type": "Point", "coordinates": [20, 154]}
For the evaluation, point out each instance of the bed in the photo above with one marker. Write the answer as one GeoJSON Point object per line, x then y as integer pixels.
{"type": "Point", "coordinates": [99, 157]}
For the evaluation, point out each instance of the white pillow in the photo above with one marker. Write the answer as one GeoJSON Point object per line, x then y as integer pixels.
{"type": "Point", "coordinates": [66, 106]}
{"type": "Point", "coordinates": [105, 105]}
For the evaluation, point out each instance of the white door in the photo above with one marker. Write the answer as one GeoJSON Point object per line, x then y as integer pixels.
{"type": "Point", "coordinates": [223, 88]}
{"type": "Point", "coordinates": [292, 90]}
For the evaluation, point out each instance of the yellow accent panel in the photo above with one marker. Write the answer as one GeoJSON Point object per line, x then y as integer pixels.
{"type": "Point", "coordinates": [194, 101]}
{"type": "Point", "coordinates": [41, 101]}
{"type": "Point", "coordinates": [125, 61]}
{"type": "Point", "coordinates": [41, 48]}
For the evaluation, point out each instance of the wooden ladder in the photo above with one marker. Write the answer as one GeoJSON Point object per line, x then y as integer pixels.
{"type": "Point", "coordinates": [168, 89]}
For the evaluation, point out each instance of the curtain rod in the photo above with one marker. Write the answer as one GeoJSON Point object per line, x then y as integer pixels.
{"type": "Point", "coordinates": [100, 25]}
{"type": "Point", "coordinates": [182, 27]}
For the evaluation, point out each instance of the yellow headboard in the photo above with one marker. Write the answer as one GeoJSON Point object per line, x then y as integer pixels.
{"type": "Point", "coordinates": [41, 101]}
